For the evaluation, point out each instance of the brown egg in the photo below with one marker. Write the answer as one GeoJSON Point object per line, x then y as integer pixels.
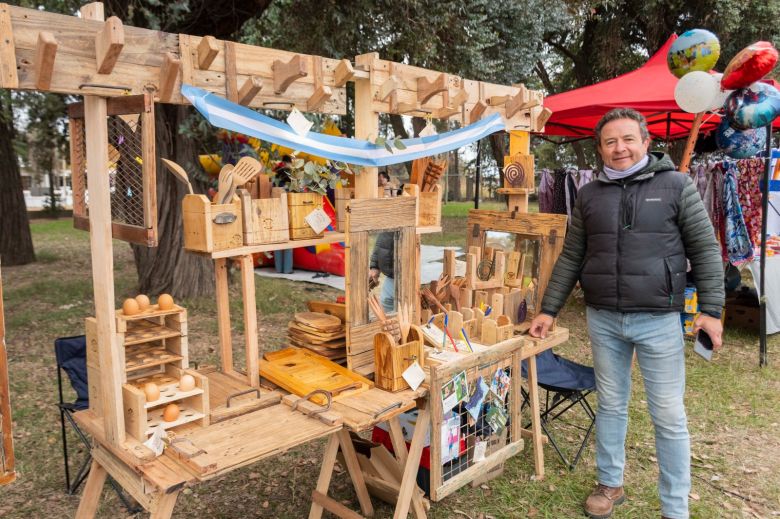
{"type": "Point", "coordinates": [143, 302]}
{"type": "Point", "coordinates": [130, 307]}
{"type": "Point", "coordinates": [171, 413]}
{"type": "Point", "coordinates": [151, 391]}
{"type": "Point", "coordinates": [165, 302]}
{"type": "Point", "coordinates": [187, 383]}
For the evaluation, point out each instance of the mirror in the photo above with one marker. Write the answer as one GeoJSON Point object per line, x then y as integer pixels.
{"type": "Point", "coordinates": [382, 268]}
{"type": "Point", "coordinates": [523, 256]}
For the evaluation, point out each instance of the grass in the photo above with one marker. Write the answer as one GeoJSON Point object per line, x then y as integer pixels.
{"type": "Point", "coordinates": [733, 409]}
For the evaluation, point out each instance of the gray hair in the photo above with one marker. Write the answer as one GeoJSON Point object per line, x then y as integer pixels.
{"type": "Point", "coordinates": [623, 113]}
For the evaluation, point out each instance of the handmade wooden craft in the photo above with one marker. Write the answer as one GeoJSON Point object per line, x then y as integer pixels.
{"type": "Point", "coordinates": [391, 359]}
{"type": "Point", "coordinates": [264, 219]}
{"type": "Point", "coordinates": [210, 227]}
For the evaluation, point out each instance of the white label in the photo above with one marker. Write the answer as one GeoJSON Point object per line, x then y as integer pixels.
{"type": "Point", "coordinates": [414, 375]}
{"type": "Point", "coordinates": [318, 220]}
{"type": "Point", "coordinates": [479, 451]}
{"type": "Point", "coordinates": [155, 443]}
{"type": "Point", "coordinates": [300, 124]}
{"type": "Point", "coordinates": [429, 130]}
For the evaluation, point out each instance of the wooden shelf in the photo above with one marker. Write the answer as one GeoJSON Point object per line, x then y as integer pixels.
{"type": "Point", "coordinates": [515, 190]}
{"type": "Point", "coordinates": [329, 237]}
{"type": "Point", "coordinates": [155, 421]}
{"type": "Point", "coordinates": [139, 332]}
{"type": "Point", "coordinates": [429, 230]}
{"type": "Point", "coordinates": [149, 356]}
{"type": "Point", "coordinates": [152, 311]}
{"type": "Point", "coordinates": [169, 389]}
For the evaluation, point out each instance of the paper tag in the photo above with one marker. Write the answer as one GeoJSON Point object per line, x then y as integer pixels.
{"type": "Point", "coordinates": [300, 124]}
{"type": "Point", "coordinates": [429, 130]}
{"type": "Point", "coordinates": [479, 451]}
{"type": "Point", "coordinates": [414, 375]}
{"type": "Point", "coordinates": [318, 220]}
{"type": "Point", "coordinates": [155, 443]}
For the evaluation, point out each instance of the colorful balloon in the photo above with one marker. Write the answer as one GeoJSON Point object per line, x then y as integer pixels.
{"type": "Point", "coordinates": [754, 106]}
{"type": "Point", "coordinates": [749, 65]}
{"type": "Point", "coordinates": [696, 49]}
{"type": "Point", "coordinates": [740, 144]}
{"type": "Point", "coordinates": [721, 96]}
{"type": "Point", "coordinates": [696, 91]}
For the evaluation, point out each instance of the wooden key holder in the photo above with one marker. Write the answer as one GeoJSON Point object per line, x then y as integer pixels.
{"type": "Point", "coordinates": [392, 359]}
{"type": "Point", "coordinates": [210, 227]}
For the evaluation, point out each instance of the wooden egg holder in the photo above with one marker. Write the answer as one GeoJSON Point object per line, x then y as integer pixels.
{"type": "Point", "coordinates": [203, 233]}
{"type": "Point", "coordinates": [265, 220]}
{"type": "Point", "coordinates": [392, 359]}
{"type": "Point", "coordinates": [485, 330]}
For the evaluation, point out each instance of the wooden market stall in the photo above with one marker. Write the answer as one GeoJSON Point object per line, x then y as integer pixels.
{"type": "Point", "coordinates": [227, 418]}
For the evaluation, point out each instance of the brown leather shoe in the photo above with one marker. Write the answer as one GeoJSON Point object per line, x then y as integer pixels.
{"type": "Point", "coordinates": [601, 501]}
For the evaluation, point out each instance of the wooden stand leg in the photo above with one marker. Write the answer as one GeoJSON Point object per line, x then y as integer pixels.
{"type": "Point", "coordinates": [399, 446]}
{"type": "Point", "coordinates": [162, 506]}
{"type": "Point", "coordinates": [250, 320]}
{"type": "Point", "coordinates": [223, 315]}
{"type": "Point", "coordinates": [355, 473]}
{"type": "Point", "coordinates": [323, 482]}
{"type": "Point", "coordinates": [93, 488]}
{"type": "Point", "coordinates": [409, 481]}
{"type": "Point", "coordinates": [536, 423]}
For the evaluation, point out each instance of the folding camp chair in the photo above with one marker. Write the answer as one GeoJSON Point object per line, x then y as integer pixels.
{"type": "Point", "coordinates": [71, 354]}
{"type": "Point", "coordinates": [567, 384]}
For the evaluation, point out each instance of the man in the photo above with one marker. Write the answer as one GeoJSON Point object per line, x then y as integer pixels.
{"type": "Point", "coordinates": [630, 233]}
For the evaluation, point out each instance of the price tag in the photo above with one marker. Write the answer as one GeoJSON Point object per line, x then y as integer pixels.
{"type": "Point", "coordinates": [414, 375]}
{"type": "Point", "coordinates": [155, 443]}
{"type": "Point", "coordinates": [429, 130]}
{"type": "Point", "coordinates": [479, 451]}
{"type": "Point", "coordinates": [318, 220]}
{"type": "Point", "coordinates": [299, 123]}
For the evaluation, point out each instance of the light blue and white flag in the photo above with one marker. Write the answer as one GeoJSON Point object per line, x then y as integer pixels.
{"type": "Point", "coordinates": [231, 116]}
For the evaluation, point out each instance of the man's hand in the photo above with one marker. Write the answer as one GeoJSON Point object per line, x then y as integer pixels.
{"type": "Point", "coordinates": [540, 325]}
{"type": "Point", "coordinates": [712, 326]}
{"type": "Point", "coordinates": [373, 278]}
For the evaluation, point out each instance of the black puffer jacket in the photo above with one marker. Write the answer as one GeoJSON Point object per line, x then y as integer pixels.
{"type": "Point", "coordinates": [628, 242]}
{"type": "Point", "coordinates": [383, 255]}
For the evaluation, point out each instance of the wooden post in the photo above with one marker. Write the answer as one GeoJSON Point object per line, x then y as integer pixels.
{"type": "Point", "coordinates": [223, 315]}
{"type": "Point", "coordinates": [7, 473]}
{"type": "Point", "coordinates": [536, 422]}
{"type": "Point", "coordinates": [250, 320]}
{"type": "Point", "coordinates": [323, 482]}
{"type": "Point", "coordinates": [111, 375]}
{"type": "Point", "coordinates": [690, 143]}
{"type": "Point", "coordinates": [92, 488]}
{"type": "Point", "coordinates": [366, 125]}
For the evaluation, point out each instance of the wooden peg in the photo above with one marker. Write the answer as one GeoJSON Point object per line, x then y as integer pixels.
{"type": "Point", "coordinates": [402, 108]}
{"type": "Point", "coordinates": [498, 100]}
{"type": "Point", "coordinates": [207, 52]}
{"type": "Point", "coordinates": [169, 71]}
{"type": "Point", "coordinates": [543, 117]}
{"type": "Point", "coordinates": [459, 99]}
{"type": "Point", "coordinates": [446, 112]}
{"type": "Point", "coordinates": [286, 73]}
{"type": "Point", "coordinates": [427, 89]}
{"type": "Point", "coordinates": [108, 44]}
{"type": "Point", "coordinates": [249, 90]}
{"type": "Point", "coordinates": [477, 111]}
{"type": "Point", "coordinates": [321, 92]}
{"type": "Point", "coordinates": [343, 73]}
{"type": "Point", "coordinates": [516, 102]}
{"type": "Point", "coordinates": [45, 52]}
{"type": "Point", "coordinates": [388, 87]}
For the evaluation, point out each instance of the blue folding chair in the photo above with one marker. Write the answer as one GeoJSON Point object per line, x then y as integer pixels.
{"type": "Point", "coordinates": [567, 384]}
{"type": "Point", "coordinates": [71, 355]}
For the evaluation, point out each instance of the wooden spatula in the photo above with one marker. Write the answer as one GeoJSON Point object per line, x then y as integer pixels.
{"type": "Point", "coordinates": [245, 170]}
{"type": "Point", "coordinates": [178, 172]}
{"type": "Point", "coordinates": [224, 183]}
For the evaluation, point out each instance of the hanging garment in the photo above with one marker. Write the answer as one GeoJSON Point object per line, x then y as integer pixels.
{"type": "Point", "coordinates": [750, 172]}
{"type": "Point", "coordinates": [737, 240]}
{"type": "Point", "coordinates": [546, 185]}
{"type": "Point", "coordinates": [575, 179]}
{"type": "Point", "coordinates": [713, 202]}
{"type": "Point", "coordinates": [559, 192]}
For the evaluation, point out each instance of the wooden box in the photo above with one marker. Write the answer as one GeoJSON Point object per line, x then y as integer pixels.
{"type": "Point", "coordinates": [430, 208]}
{"type": "Point", "coordinates": [498, 330]}
{"type": "Point", "coordinates": [343, 196]}
{"type": "Point", "coordinates": [391, 359]}
{"type": "Point", "coordinates": [264, 219]}
{"type": "Point", "coordinates": [211, 227]}
{"type": "Point", "coordinates": [142, 418]}
{"type": "Point", "coordinates": [299, 206]}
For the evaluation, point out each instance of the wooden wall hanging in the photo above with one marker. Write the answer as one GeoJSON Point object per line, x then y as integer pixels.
{"type": "Point", "coordinates": [7, 473]}
{"type": "Point", "coordinates": [131, 145]}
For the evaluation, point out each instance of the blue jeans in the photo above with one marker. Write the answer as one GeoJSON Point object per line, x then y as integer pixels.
{"type": "Point", "coordinates": [658, 341]}
{"type": "Point", "coordinates": [387, 295]}
{"type": "Point", "coordinates": [283, 261]}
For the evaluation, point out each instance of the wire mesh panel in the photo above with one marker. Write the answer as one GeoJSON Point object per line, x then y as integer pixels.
{"type": "Point", "coordinates": [131, 168]}
{"type": "Point", "coordinates": [475, 413]}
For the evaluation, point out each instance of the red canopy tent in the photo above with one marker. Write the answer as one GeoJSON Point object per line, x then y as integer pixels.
{"type": "Point", "coordinates": [648, 89]}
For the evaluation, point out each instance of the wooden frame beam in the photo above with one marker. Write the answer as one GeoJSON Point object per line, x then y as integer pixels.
{"type": "Point", "coordinates": [109, 42]}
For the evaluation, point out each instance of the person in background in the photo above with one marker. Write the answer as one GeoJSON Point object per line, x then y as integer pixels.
{"type": "Point", "coordinates": [283, 259]}
{"type": "Point", "coordinates": [630, 234]}
{"type": "Point", "coordinates": [382, 259]}
{"type": "Point", "coordinates": [384, 184]}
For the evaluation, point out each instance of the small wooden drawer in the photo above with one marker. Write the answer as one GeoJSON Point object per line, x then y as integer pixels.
{"type": "Point", "coordinates": [300, 205]}
{"type": "Point", "coordinates": [265, 219]}
{"type": "Point", "coordinates": [391, 359]}
{"type": "Point", "coordinates": [211, 227]}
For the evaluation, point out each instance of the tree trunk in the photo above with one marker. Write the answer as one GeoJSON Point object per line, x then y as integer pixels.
{"type": "Point", "coordinates": [499, 149]}
{"type": "Point", "coordinates": [168, 267]}
{"type": "Point", "coordinates": [16, 246]}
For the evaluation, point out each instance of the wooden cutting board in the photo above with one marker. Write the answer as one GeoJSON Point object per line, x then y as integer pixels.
{"type": "Point", "coordinates": [318, 320]}
{"type": "Point", "coordinates": [317, 336]}
{"type": "Point", "coordinates": [301, 371]}
{"type": "Point", "coordinates": [324, 307]}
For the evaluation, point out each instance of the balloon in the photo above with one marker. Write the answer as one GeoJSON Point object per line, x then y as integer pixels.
{"type": "Point", "coordinates": [696, 91]}
{"type": "Point", "coordinates": [754, 106]}
{"type": "Point", "coordinates": [721, 96]}
{"type": "Point", "coordinates": [696, 49]}
{"type": "Point", "coordinates": [749, 65]}
{"type": "Point", "coordinates": [740, 144]}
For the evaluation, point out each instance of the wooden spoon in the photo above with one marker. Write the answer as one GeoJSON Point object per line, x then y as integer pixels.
{"type": "Point", "coordinates": [224, 183]}
{"type": "Point", "coordinates": [178, 172]}
{"type": "Point", "coordinates": [245, 170]}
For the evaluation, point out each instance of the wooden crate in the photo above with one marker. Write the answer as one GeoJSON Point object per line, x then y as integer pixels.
{"type": "Point", "coordinates": [264, 219]}
{"type": "Point", "coordinates": [343, 196]}
{"type": "Point", "coordinates": [202, 233]}
{"type": "Point", "coordinates": [142, 418]}
{"type": "Point", "coordinates": [300, 205]}
{"type": "Point", "coordinates": [391, 359]}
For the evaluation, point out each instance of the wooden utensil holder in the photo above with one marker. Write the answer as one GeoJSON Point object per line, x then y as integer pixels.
{"type": "Point", "coordinates": [391, 359]}
{"type": "Point", "coordinates": [495, 331]}
{"type": "Point", "coordinates": [202, 233]}
{"type": "Point", "coordinates": [264, 219]}
{"type": "Point", "coordinates": [300, 205]}
{"type": "Point", "coordinates": [428, 205]}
